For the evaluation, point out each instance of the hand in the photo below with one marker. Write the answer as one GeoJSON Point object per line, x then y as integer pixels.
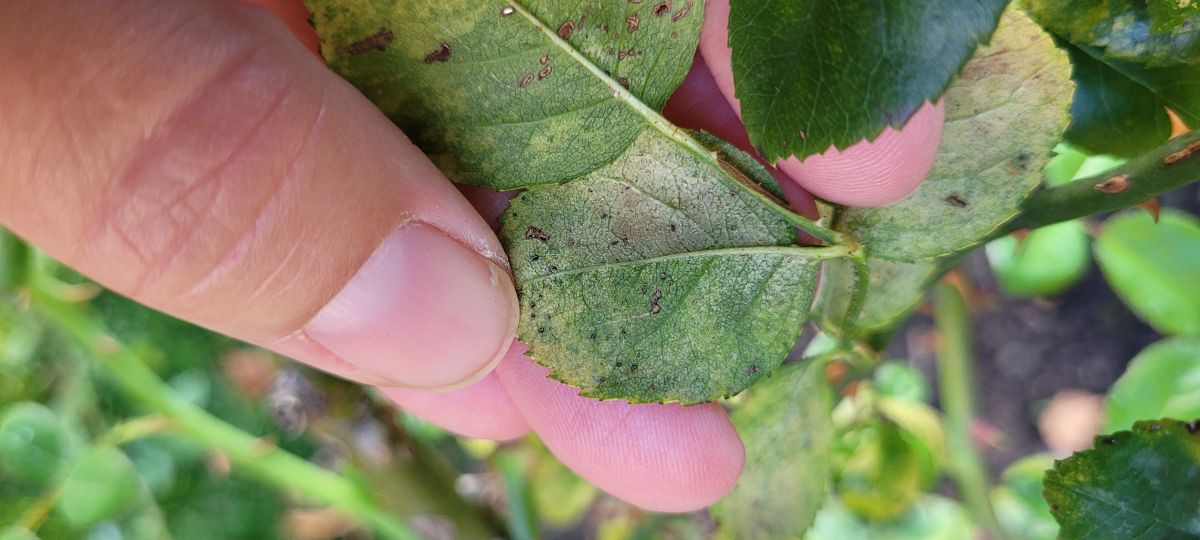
{"type": "Point", "coordinates": [193, 156]}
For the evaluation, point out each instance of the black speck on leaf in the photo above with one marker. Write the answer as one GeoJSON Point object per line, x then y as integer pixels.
{"type": "Point", "coordinates": [441, 54]}
{"type": "Point", "coordinates": [956, 201]}
{"type": "Point", "coordinates": [374, 42]}
{"type": "Point", "coordinates": [534, 233]}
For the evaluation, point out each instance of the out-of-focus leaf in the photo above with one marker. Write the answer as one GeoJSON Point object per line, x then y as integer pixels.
{"type": "Point", "coordinates": [1046, 262]}
{"type": "Point", "coordinates": [933, 518]}
{"type": "Point", "coordinates": [785, 425]}
{"type": "Point", "coordinates": [1143, 484]}
{"type": "Point", "coordinates": [899, 379]}
{"type": "Point", "coordinates": [560, 496]}
{"type": "Point", "coordinates": [1004, 113]}
{"type": "Point", "coordinates": [17, 533]}
{"type": "Point", "coordinates": [1018, 502]}
{"type": "Point", "coordinates": [1163, 381]}
{"type": "Point", "coordinates": [102, 484]}
{"type": "Point", "coordinates": [1153, 32]}
{"type": "Point", "coordinates": [884, 476]}
{"type": "Point", "coordinates": [811, 74]}
{"type": "Point", "coordinates": [893, 292]}
{"type": "Point", "coordinates": [33, 442]}
{"type": "Point", "coordinates": [1154, 267]}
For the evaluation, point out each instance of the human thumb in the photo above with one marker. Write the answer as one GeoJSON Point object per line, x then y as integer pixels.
{"type": "Point", "coordinates": [195, 157]}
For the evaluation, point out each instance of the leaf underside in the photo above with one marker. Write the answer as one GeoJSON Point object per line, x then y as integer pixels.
{"type": "Point", "coordinates": [651, 264]}
{"type": "Point", "coordinates": [1003, 115]}
{"type": "Point", "coordinates": [1143, 484]}
{"type": "Point", "coordinates": [812, 74]}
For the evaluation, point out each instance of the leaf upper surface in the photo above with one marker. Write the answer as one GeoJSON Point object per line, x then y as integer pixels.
{"type": "Point", "coordinates": [1151, 32]}
{"type": "Point", "coordinates": [1003, 115]}
{"type": "Point", "coordinates": [1143, 484]}
{"type": "Point", "coordinates": [496, 94]}
{"type": "Point", "coordinates": [1161, 381]}
{"type": "Point", "coordinates": [812, 74]}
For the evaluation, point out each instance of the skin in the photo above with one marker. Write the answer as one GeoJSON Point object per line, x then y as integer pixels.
{"type": "Point", "coordinates": [195, 156]}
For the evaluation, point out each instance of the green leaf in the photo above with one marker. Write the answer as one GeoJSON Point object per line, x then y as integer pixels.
{"type": "Point", "coordinates": [893, 292]}
{"type": "Point", "coordinates": [885, 475]}
{"type": "Point", "coordinates": [785, 425]}
{"type": "Point", "coordinates": [933, 518]}
{"type": "Point", "coordinates": [1048, 261]}
{"type": "Point", "coordinates": [1018, 503]}
{"type": "Point", "coordinates": [1112, 113]}
{"type": "Point", "coordinates": [691, 291]}
{"type": "Point", "coordinates": [899, 379]}
{"type": "Point", "coordinates": [1003, 115]}
{"type": "Point", "coordinates": [32, 442]}
{"type": "Point", "coordinates": [495, 97]}
{"type": "Point", "coordinates": [1141, 484]}
{"type": "Point", "coordinates": [1153, 267]}
{"type": "Point", "coordinates": [17, 533]}
{"type": "Point", "coordinates": [812, 74]}
{"type": "Point", "coordinates": [676, 241]}
{"type": "Point", "coordinates": [102, 484]}
{"type": "Point", "coordinates": [1162, 381]}
{"type": "Point", "coordinates": [560, 496]}
{"type": "Point", "coordinates": [1151, 32]}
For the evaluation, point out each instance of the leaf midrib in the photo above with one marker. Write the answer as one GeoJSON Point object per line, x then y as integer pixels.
{"type": "Point", "coordinates": [811, 253]}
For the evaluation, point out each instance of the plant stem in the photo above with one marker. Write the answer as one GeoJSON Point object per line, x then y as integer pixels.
{"type": "Point", "coordinates": [254, 455]}
{"type": "Point", "coordinates": [1170, 166]}
{"type": "Point", "coordinates": [956, 389]}
{"type": "Point", "coordinates": [858, 298]}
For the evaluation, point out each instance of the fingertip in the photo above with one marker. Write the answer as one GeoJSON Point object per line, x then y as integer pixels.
{"type": "Point", "coordinates": [874, 173]}
{"type": "Point", "coordinates": [482, 410]}
{"type": "Point", "coordinates": [663, 458]}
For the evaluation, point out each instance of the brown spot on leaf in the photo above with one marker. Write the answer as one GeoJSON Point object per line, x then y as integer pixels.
{"type": "Point", "coordinates": [662, 8]}
{"type": "Point", "coordinates": [956, 201]}
{"type": "Point", "coordinates": [633, 367]}
{"type": "Point", "coordinates": [528, 78]}
{"type": "Point", "coordinates": [441, 54]}
{"type": "Point", "coordinates": [753, 369]}
{"type": "Point", "coordinates": [374, 42]}
{"type": "Point", "coordinates": [654, 298]}
{"type": "Point", "coordinates": [534, 233]}
{"type": "Point", "coordinates": [552, 269]}
{"type": "Point", "coordinates": [683, 11]}
{"type": "Point", "coordinates": [545, 59]}
{"type": "Point", "coordinates": [565, 30]}
{"type": "Point", "coordinates": [632, 22]}
{"type": "Point", "coordinates": [1193, 427]}
{"type": "Point", "coordinates": [1182, 154]}
{"type": "Point", "coordinates": [624, 81]}
{"type": "Point", "coordinates": [545, 72]}
{"type": "Point", "coordinates": [1115, 184]}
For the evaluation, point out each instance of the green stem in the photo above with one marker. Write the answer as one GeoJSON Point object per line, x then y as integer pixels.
{"type": "Point", "coordinates": [956, 388]}
{"type": "Point", "coordinates": [858, 298]}
{"type": "Point", "coordinates": [137, 428]}
{"type": "Point", "coordinates": [252, 454]}
{"type": "Point", "coordinates": [1170, 166]}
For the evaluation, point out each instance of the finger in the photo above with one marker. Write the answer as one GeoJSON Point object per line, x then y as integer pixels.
{"type": "Point", "coordinates": [665, 458]}
{"type": "Point", "coordinates": [699, 104]}
{"type": "Point", "coordinates": [193, 156]}
{"type": "Point", "coordinates": [873, 173]}
{"type": "Point", "coordinates": [482, 410]}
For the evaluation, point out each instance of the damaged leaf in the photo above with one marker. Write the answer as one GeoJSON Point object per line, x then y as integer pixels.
{"type": "Point", "coordinates": [1003, 115]}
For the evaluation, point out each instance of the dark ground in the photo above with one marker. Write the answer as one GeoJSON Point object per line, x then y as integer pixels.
{"type": "Point", "coordinates": [1027, 350]}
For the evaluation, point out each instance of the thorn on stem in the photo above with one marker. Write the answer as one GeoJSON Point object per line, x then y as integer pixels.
{"type": "Point", "coordinates": [1151, 206]}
